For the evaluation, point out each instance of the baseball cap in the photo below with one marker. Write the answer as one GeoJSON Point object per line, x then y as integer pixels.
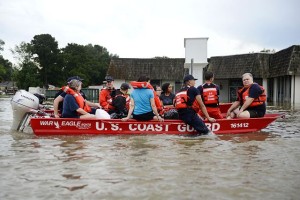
{"type": "Point", "coordinates": [125, 86]}
{"type": "Point", "coordinates": [109, 78]}
{"type": "Point", "coordinates": [188, 78]}
{"type": "Point", "coordinates": [74, 78]}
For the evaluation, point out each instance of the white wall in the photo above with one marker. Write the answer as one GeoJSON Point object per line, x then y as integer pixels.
{"type": "Point", "coordinates": [295, 95]}
{"type": "Point", "coordinates": [196, 49]}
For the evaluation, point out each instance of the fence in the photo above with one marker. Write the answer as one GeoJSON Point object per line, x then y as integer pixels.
{"type": "Point", "coordinates": [91, 94]}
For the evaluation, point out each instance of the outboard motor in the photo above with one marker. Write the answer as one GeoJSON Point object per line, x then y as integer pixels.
{"type": "Point", "coordinates": [23, 103]}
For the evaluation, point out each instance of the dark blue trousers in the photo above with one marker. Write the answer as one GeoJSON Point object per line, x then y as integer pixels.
{"type": "Point", "coordinates": [190, 117]}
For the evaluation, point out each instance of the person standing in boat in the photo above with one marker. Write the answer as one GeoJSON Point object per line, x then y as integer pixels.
{"type": "Point", "coordinates": [210, 96]}
{"type": "Point", "coordinates": [74, 105]}
{"type": "Point", "coordinates": [250, 102]}
{"type": "Point", "coordinates": [120, 102]}
{"type": "Point", "coordinates": [188, 102]}
{"type": "Point", "coordinates": [105, 98]}
{"type": "Point", "coordinates": [142, 105]}
{"type": "Point", "coordinates": [60, 95]}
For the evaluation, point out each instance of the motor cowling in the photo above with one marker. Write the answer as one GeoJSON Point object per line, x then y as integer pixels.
{"type": "Point", "coordinates": [23, 102]}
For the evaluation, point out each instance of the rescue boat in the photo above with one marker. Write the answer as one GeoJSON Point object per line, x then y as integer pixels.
{"type": "Point", "coordinates": [26, 113]}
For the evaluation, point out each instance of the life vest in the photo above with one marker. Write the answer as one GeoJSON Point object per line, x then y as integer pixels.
{"type": "Point", "coordinates": [105, 99]}
{"type": "Point", "coordinates": [79, 99]}
{"type": "Point", "coordinates": [182, 101]}
{"type": "Point", "coordinates": [244, 93]}
{"type": "Point", "coordinates": [210, 94]}
{"type": "Point", "coordinates": [147, 85]}
{"type": "Point", "coordinates": [137, 85]}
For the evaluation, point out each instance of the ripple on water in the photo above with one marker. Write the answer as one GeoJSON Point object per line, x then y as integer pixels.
{"type": "Point", "coordinates": [257, 165]}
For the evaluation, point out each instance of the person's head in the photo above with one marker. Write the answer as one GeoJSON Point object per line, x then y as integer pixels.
{"type": "Point", "coordinates": [157, 89]}
{"type": "Point", "coordinates": [109, 81]}
{"type": "Point", "coordinates": [247, 79]}
{"type": "Point", "coordinates": [189, 80]}
{"type": "Point", "coordinates": [143, 78]}
{"type": "Point", "coordinates": [125, 87]}
{"type": "Point", "coordinates": [167, 88]}
{"type": "Point", "coordinates": [75, 85]}
{"type": "Point", "coordinates": [209, 76]}
{"type": "Point", "coordinates": [74, 78]}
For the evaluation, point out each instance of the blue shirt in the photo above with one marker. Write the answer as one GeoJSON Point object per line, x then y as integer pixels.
{"type": "Point", "coordinates": [141, 99]}
{"type": "Point", "coordinates": [69, 107]}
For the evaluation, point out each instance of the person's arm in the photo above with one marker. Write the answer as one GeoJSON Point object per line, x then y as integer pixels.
{"type": "Point", "coordinates": [158, 117]}
{"type": "Point", "coordinates": [102, 99]}
{"type": "Point", "coordinates": [234, 106]}
{"type": "Point", "coordinates": [203, 109]}
{"type": "Point", "coordinates": [247, 103]}
{"type": "Point", "coordinates": [131, 107]}
{"type": "Point", "coordinates": [92, 104]}
{"type": "Point", "coordinates": [55, 105]}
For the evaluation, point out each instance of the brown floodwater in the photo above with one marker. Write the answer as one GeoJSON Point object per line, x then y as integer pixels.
{"type": "Point", "coordinates": [260, 165]}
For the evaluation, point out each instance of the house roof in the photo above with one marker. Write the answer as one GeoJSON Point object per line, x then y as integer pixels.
{"type": "Point", "coordinates": [155, 68]}
{"type": "Point", "coordinates": [236, 65]}
{"type": "Point", "coordinates": [285, 62]}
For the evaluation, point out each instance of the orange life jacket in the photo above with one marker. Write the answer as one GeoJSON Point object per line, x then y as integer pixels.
{"type": "Point", "coordinates": [210, 94]}
{"type": "Point", "coordinates": [105, 99]}
{"type": "Point", "coordinates": [136, 85]}
{"type": "Point", "coordinates": [79, 99]}
{"type": "Point", "coordinates": [244, 93]}
{"type": "Point", "coordinates": [147, 85]}
{"type": "Point", "coordinates": [181, 100]}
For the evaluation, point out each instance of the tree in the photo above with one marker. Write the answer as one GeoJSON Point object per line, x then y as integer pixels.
{"type": "Point", "coordinates": [89, 62]}
{"type": "Point", "coordinates": [5, 66]}
{"type": "Point", "coordinates": [1, 45]}
{"type": "Point", "coordinates": [45, 47]}
{"type": "Point", "coordinates": [26, 73]}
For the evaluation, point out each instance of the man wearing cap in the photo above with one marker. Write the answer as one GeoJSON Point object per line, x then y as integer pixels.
{"type": "Point", "coordinates": [120, 102]}
{"type": "Point", "coordinates": [105, 99]}
{"type": "Point", "coordinates": [60, 95]}
{"type": "Point", "coordinates": [188, 102]}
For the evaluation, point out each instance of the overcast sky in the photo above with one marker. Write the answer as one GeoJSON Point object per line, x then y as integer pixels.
{"type": "Point", "coordinates": [149, 28]}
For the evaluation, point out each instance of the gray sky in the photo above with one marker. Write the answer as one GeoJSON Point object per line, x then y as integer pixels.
{"type": "Point", "coordinates": [149, 28]}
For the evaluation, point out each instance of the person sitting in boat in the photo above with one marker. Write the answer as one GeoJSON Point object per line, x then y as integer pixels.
{"type": "Point", "coordinates": [142, 104]}
{"type": "Point", "coordinates": [157, 92]}
{"type": "Point", "coordinates": [210, 96]}
{"type": "Point", "coordinates": [60, 95]}
{"type": "Point", "coordinates": [250, 102]}
{"type": "Point", "coordinates": [105, 98]}
{"type": "Point", "coordinates": [74, 105]}
{"type": "Point", "coordinates": [167, 97]}
{"type": "Point", "coordinates": [188, 101]}
{"type": "Point", "coordinates": [120, 102]}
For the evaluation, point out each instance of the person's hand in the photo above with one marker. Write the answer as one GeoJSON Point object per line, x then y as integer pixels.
{"type": "Point", "coordinates": [97, 105]}
{"type": "Point", "coordinates": [228, 114]}
{"type": "Point", "coordinates": [160, 119]}
{"type": "Point", "coordinates": [125, 118]}
{"type": "Point", "coordinates": [210, 119]}
{"type": "Point", "coordinates": [56, 116]}
{"type": "Point", "coordinates": [239, 112]}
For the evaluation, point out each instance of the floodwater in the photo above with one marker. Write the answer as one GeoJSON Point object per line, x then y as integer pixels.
{"type": "Point", "coordinates": [261, 165]}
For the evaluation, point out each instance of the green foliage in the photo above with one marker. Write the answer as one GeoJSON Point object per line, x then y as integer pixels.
{"type": "Point", "coordinates": [46, 49]}
{"type": "Point", "coordinates": [1, 44]}
{"type": "Point", "coordinates": [41, 62]}
{"type": "Point", "coordinates": [28, 76]}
